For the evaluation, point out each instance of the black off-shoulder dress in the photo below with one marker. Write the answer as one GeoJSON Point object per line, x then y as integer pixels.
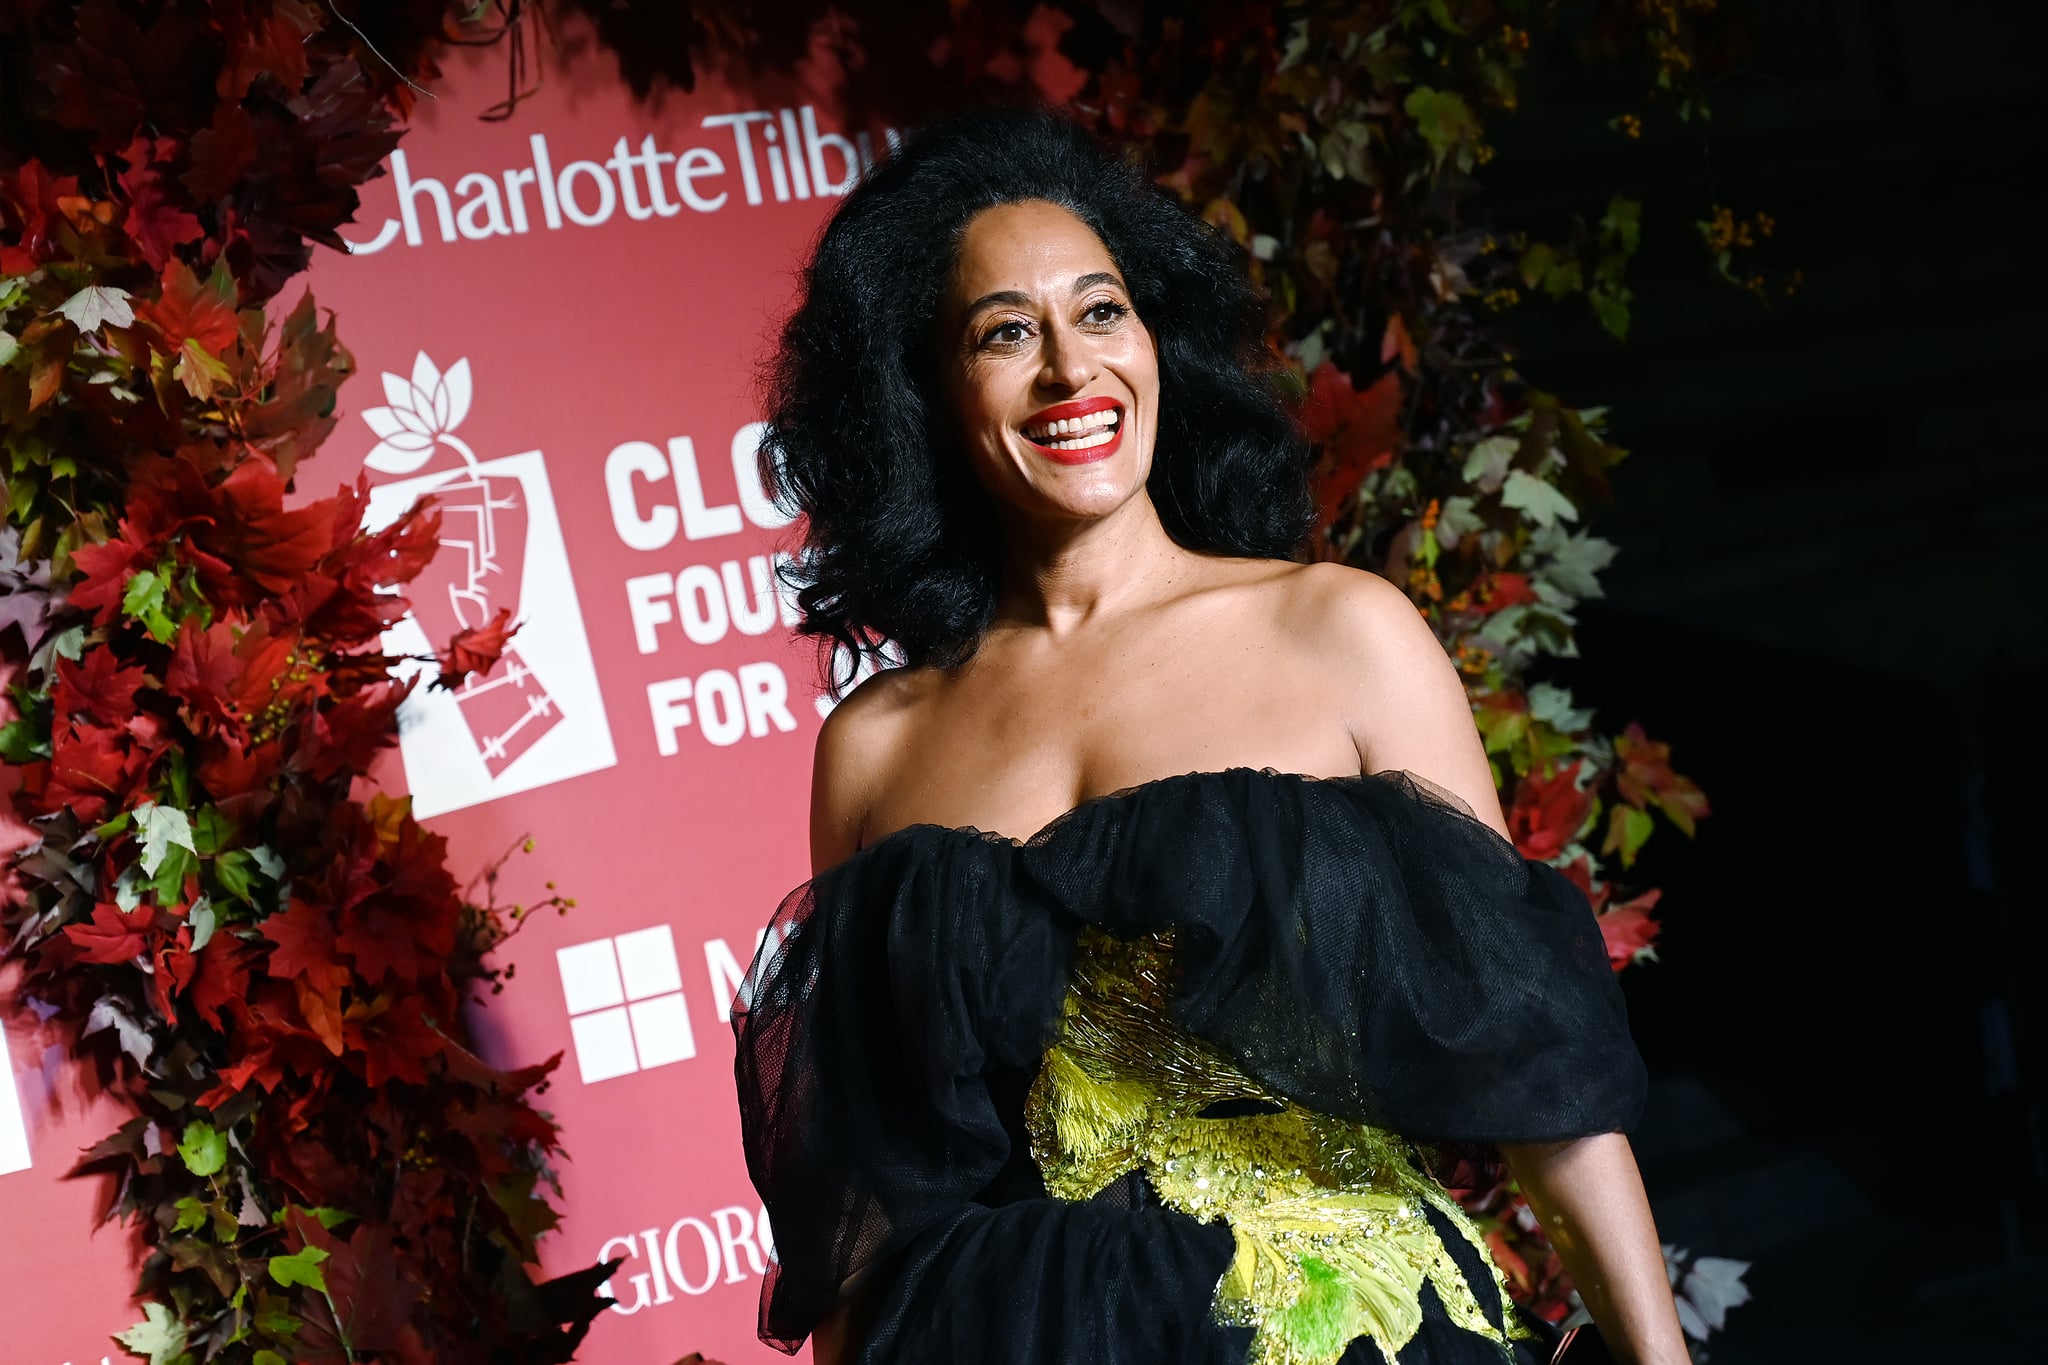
{"type": "Point", "coordinates": [1161, 1082]}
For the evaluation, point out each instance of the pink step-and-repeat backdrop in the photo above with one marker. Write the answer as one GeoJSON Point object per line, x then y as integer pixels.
{"type": "Point", "coordinates": [557, 321]}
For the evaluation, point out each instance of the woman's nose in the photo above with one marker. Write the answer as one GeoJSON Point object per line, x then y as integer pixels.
{"type": "Point", "coordinates": [1069, 360]}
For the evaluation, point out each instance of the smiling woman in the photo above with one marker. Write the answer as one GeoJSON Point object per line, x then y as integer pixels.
{"type": "Point", "coordinates": [1163, 918]}
{"type": "Point", "coordinates": [1069, 330]}
{"type": "Point", "coordinates": [866, 413]}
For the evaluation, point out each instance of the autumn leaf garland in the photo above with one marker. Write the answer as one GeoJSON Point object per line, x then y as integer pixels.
{"type": "Point", "coordinates": [268, 972]}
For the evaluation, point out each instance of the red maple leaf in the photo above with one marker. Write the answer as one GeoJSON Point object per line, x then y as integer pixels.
{"type": "Point", "coordinates": [258, 535]}
{"type": "Point", "coordinates": [230, 1080]}
{"type": "Point", "coordinates": [1499, 590]}
{"type": "Point", "coordinates": [491, 1123]}
{"type": "Point", "coordinates": [304, 954]}
{"type": "Point", "coordinates": [107, 567]}
{"type": "Point", "coordinates": [373, 1297]}
{"type": "Point", "coordinates": [220, 152]}
{"type": "Point", "coordinates": [319, 995]}
{"type": "Point", "coordinates": [1547, 812]}
{"type": "Point", "coordinates": [173, 501]}
{"type": "Point", "coordinates": [264, 672]}
{"type": "Point", "coordinates": [346, 735]}
{"type": "Point", "coordinates": [97, 687]}
{"type": "Point", "coordinates": [341, 601]}
{"type": "Point", "coordinates": [115, 936]}
{"type": "Point", "coordinates": [31, 194]}
{"type": "Point", "coordinates": [193, 309]}
{"type": "Point", "coordinates": [302, 939]}
{"type": "Point", "coordinates": [222, 982]}
{"type": "Point", "coordinates": [238, 773]}
{"type": "Point", "coordinates": [89, 767]}
{"type": "Point", "coordinates": [174, 967]}
{"type": "Point", "coordinates": [394, 1038]}
{"type": "Point", "coordinates": [393, 554]}
{"type": "Point", "coordinates": [475, 650]}
{"type": "Point", "coordinates": [416, 862]}
{"type": "Point", "coordinates": [1646, 775]}
{"type": "Point", "coordinates": [1628, 928]}
{"type": "Point", "coordinates": [155, 223]}
{"type": "Point", "coordinates": [1358, 431]}
{"type": "Point", "coordinates": [273, 44]}
{"type": "Point", "coordinates": [203, 670]}
{"type": "Point", "coordinates": [382, 942]}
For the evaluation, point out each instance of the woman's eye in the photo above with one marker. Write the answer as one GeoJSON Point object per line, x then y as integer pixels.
{"type": "Point", "coordinates": [1104, 313]}
{"type": "Point", "coordinates": [1005, 334]}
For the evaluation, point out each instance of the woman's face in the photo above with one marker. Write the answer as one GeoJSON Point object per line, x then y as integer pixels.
{"type": "Point", "coordinates": [1053, 378]}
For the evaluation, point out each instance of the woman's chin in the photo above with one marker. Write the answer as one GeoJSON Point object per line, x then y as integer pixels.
{"type": "Point", "coordinates": [1082, 500]}
{"type": "Point", "coordinates": [1047, 491]}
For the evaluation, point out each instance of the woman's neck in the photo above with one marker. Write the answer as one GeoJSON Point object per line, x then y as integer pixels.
{"type": "Point", "coordinates": [1060, 576]}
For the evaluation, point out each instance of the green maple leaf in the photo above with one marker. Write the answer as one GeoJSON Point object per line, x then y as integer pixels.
{"type": "Point", "coordinates": [96, 304]}
{"type": "Point", "coordinates": [1443, 118]}
{"type": "Point", "coordinates": [21, 741]}
{"type": "Point", "coordinates": [1552, 705]}
{"type": "Point", "coordinates": [1575, 563]}
{"type": "Point", "coordinates": [1538, 500]}
{"type": "Point", "coordinates": [1611, 306]}
{"type": "Point", "coordinates": [211, 830]}
{"type": "Point", "coordinates": [300, 1268]}
{"type": "Point", "coordinates": [1456, 521]}
{"type": "Point", "coordinates": [1627, 830]}
{"type": "Point", "coordinates": [161, 826]}
{"type": "Point", "coordinates": [144, 601]}
{"type": "Point", "coordinates": [203, 1149]}
{"type": "Point", "coordinates": [232, 868]}
{"type": "Point", "coordinates": [191, 1214]}
{"type": "Point", "coordinates": [1486, 464]}
{"type": "Point", "coordinates": [274, 1318]}
{"type": "Point", "coordinates": [1623, 224]}
{"type": "Point", "coordinates": [204, 921]}
{"type": "Point", "coordinates": [158, 1336]}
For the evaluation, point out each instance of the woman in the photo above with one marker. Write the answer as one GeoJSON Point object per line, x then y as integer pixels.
{"type": "Point", "coordinates": [1162, 903]}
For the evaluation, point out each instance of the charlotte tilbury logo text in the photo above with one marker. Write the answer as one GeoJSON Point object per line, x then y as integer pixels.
{"type": "Point", "coordinates": [763, 155]}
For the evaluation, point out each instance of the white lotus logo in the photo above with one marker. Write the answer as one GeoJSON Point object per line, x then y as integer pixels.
{"type": "Point", "coordinates": [424, 412]}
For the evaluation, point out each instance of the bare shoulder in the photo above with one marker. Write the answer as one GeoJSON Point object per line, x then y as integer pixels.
{"type": "Point", "coordinates": [857, 751]}
{"type": "Point", "coordinates": [1403, 698]}
{"type": "Point", "coordinates": [1353, 620]}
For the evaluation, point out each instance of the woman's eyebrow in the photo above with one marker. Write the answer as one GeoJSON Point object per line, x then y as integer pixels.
{"type": "Point", "coordinates": [1018, 299]}
{"type": "Point", "coordinates": [1087, 282]}
{"type": "Point", "coordinates": [1015, 298]}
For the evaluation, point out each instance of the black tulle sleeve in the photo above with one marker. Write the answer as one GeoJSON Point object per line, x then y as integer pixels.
{"type": "Point", "coordinates": [1363, 945]}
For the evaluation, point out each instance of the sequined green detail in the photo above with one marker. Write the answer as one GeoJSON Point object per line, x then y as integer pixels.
{"type": "Point", "coordinates": [1332, 1239]}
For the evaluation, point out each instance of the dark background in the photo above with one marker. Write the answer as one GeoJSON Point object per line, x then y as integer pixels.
{"type": "Point", "coordinates": [1829, 600]}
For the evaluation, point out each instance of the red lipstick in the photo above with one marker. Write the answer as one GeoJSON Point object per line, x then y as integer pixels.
{"type": "Point", "coordinates": [1074, 411]}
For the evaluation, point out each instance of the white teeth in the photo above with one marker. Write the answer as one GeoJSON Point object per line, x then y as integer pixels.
{"type": "Point", "coordinates": [1102, 436]}
{"type": "Point", "coordinates": [1105, 421]}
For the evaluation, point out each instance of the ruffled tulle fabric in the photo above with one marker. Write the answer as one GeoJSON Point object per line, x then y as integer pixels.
{"type": "Point", "coordinates": [1363, 945]}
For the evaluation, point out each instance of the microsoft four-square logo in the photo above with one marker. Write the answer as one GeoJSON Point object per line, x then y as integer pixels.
{"type": "Point", "coordinates": [625, 999]}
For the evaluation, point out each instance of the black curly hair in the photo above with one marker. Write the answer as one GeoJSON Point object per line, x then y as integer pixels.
{"type": "Point", "coordinates": [900, 540]}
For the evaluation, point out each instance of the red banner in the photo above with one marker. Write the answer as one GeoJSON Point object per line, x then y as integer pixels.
{"type": "Point", "coordinates": [557, 320]}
